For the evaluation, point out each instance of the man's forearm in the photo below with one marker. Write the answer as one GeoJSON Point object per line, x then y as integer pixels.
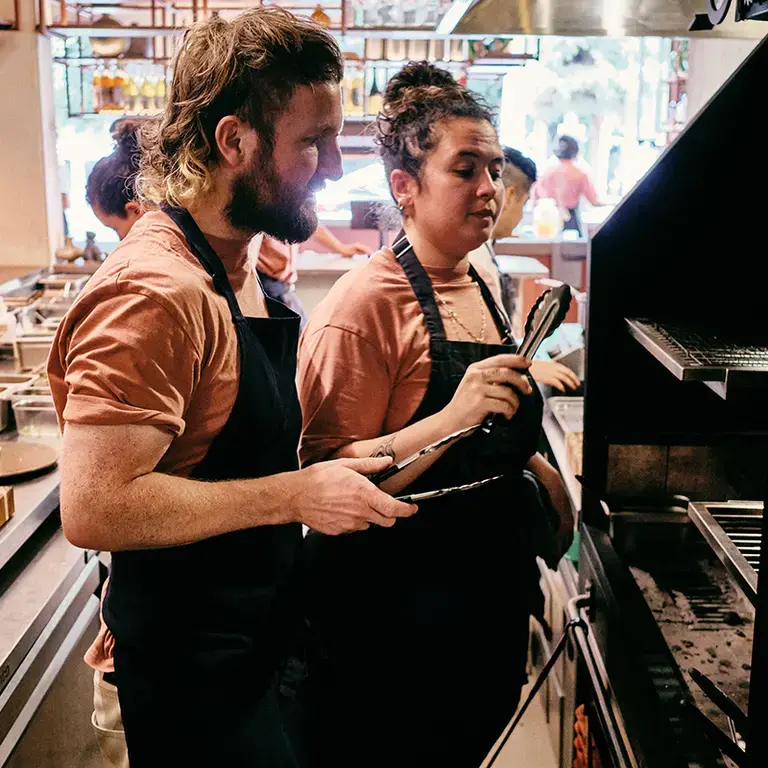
{"type": "Point", "coordinates": [157, 510]}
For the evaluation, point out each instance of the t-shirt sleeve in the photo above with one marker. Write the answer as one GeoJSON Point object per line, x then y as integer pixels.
{"type": "Point", "coordinates": [129, 360]}
{"type": "Point", "coordinates": [336, 365]}
{"type": "Point", "coordinates": [588, 189]}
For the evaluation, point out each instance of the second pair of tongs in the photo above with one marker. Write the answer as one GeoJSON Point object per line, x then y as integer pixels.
{"type": "Point", "coordinates": [397, 467]}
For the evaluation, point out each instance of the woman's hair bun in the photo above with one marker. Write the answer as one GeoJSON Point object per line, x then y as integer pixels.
{"type": "Point", "coordinates": [417, 75]}
{"type": "Point", "coordinates": [416, 100]}
{"type": "Point", "coordinates": [125, 133]}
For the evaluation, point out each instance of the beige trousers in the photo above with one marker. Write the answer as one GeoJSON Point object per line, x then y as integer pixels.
{"type": "Point", "coordinates": [108, 723]}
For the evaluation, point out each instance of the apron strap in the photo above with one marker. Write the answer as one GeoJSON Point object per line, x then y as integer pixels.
{"type": "Point", "coordinates": [207, 257]}
{"type": "Point", "coordinates": [421, 284]}
{"type": "Point", "coordinates": [503, 326]}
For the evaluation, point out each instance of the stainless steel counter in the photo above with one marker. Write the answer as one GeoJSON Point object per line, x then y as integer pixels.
{"type": "Point", "coordinates": [35, 501]}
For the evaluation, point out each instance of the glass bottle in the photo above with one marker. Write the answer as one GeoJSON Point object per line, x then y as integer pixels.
{"type": "Point", "coordinates": [321, 17]}
{"type": "Point", "coordinates": [96, 83]}
{"type": "Point", "coordinates": [132, 100]}
{"type": "Point", "coordinates": [148, 94]}
{"type": "Point", "coordinates": [119, 88]}
{"type": "Point", "coordinates": [107, 87]}
{"type": "Point", "coordinates": [375, 99]}
{"type": "Point", "coordinates": [160, 93]}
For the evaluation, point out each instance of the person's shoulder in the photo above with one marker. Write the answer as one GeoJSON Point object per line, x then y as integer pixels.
{"type": "Point", "coordinates": [153, 261]}
{"type": "Point", "coordinates": [364, 293]}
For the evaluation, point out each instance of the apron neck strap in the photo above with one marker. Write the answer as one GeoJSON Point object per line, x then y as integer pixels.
{"type": "Point", "coordinates": [422, 287]}
{"type": "Point", "coordinates": [421, 284]}
{"type": "Point", "coordinates": [207, 257]}
{"type": "Point", "coordinates": [503, 325]}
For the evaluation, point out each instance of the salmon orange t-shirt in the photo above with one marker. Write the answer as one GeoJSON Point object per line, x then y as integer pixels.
{"type": "Point", "coordinates": [364, 360]}
{"type": "Point", "coordinates": [150, 342]}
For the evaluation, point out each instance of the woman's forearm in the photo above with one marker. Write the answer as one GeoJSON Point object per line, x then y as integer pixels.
{"type": "Point", "coordinates": [399, 445]}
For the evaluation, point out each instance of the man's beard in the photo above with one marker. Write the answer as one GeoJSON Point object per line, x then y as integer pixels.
{"type": "Point", "coordinates": [260, 203]}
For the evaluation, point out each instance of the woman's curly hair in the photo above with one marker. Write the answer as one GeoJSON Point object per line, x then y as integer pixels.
{"type": "Point", "coordinates": [416, 99]}
{"type": "Point", "coordinates": [248, 67]}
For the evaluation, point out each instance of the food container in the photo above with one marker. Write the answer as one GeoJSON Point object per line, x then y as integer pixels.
{"type": "Point", "coordinates": [16, 380]}
{"type": "Point", "coordinates": [31, 351]}
{"type": "Point", "coordinates": [36, 418]}
{"type": "Point", "coordinates": [27, 393]}
{"type": "Point", "coordinates": [569, 414]}
{"type": "Point", "coordinates": [9, 383]}
{"type": "Point", "coordinates": [5, 406]}
{"type": "Point", "coordinates": [7, 506]}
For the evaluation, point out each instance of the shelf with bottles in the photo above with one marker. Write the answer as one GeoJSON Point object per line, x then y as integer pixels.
{"type": "Point", "coordinates": [127, 87]}
{"type": "Point", "coordinates": [405, 14]}
{"type": "Point", "coordinates": [161, 18]}
{"type": "Point", "coordinates": [364, 83]}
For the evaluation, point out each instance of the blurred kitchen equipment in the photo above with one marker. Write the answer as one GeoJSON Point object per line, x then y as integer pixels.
{"type": "Point", "coordinates": [108, 47]}
{"type": "Point", "coordinates": [69, 251]}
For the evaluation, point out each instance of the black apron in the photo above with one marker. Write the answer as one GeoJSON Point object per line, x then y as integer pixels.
{"type": "Point", "coordinates": [202, 631]}
{"type": "Point", "coordinates": [419, 631]}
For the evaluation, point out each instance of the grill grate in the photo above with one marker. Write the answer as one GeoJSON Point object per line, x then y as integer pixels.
{"type": "Point", "coordinates": [745, 531]}
{"type": "Point", "coordinates": [734, 531]}
{"type": "Point", "coordinates": [710, 351]}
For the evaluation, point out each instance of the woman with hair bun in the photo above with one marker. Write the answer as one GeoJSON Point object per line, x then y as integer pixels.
{"type": "Point", "coordinates": [111, 186]}
{"type": "Point", "coordinates": [419, 630]}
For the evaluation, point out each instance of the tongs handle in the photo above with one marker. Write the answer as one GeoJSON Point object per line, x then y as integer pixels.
{"type": "Point", "coordinates": [726, 704]}
{"type": "Point", "coordinates": [379, 477]}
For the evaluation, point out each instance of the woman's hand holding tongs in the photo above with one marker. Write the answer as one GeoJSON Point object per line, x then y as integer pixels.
{"type": "Point", "coordinates": [490, 386]}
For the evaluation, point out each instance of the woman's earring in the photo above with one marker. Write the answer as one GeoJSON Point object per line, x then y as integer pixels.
{"type": "Point", "coordinates": [400, 206]}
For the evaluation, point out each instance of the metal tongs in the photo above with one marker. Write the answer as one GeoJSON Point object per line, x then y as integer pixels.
{"type": "Point", "coordinates": [546, 315]}
{"type": "Point", "coordinates": [386, 474]}
{"type": "Point", "coordinates": [737, 719]}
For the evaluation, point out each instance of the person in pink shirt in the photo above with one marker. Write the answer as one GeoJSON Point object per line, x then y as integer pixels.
{"type": "Point", "coordinates": [567, 183]}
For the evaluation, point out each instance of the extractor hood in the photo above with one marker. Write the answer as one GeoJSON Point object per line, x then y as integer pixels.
{"type": "Point", "coordinates": [616, 18]}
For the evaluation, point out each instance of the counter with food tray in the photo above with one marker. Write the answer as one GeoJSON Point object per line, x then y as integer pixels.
{"type": "Point", "coordinates": [48, 603]}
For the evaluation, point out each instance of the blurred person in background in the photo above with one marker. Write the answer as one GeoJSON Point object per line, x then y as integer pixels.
{"type": "Point", "coordinates": [111, 186]}
{"type": "Point", "coordinates": [567, 183]}
{"type": "Point", "coordinates": [519, 176]}
{"type": "Point", "coordinates": [277, 268]}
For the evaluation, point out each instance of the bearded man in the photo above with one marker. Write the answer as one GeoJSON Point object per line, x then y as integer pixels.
{"type": "Point", "coordinates": [173, 378]}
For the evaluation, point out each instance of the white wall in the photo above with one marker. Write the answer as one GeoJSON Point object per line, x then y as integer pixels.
{"type": "Point", "coordinates": [30, 203]}
{"type": "Point", "coordinates": [710, 63]}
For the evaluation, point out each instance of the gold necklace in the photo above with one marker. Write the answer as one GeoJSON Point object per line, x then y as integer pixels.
{"type": "Point", "coordinates": [456, 319]}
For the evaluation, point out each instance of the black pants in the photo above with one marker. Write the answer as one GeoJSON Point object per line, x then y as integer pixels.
{"type": "Point", "coordinates": [205, 705]}
{"type": "Point", "coordinates": [384, 708]}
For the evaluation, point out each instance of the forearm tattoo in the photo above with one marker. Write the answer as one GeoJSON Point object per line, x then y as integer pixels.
{"type": "Point", "coordinates": [386, 448]}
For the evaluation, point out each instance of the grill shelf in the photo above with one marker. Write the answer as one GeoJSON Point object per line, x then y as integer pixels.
{"type": "Point", "coordinates": [692, 355]}
{"type": "Point", "coordinates": [734, 531]}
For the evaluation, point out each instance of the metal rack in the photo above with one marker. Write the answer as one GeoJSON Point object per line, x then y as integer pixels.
{"type": "Point", "coordinates": [734, 531]}
{"type": "Point", "coordinates": [692, 355]}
